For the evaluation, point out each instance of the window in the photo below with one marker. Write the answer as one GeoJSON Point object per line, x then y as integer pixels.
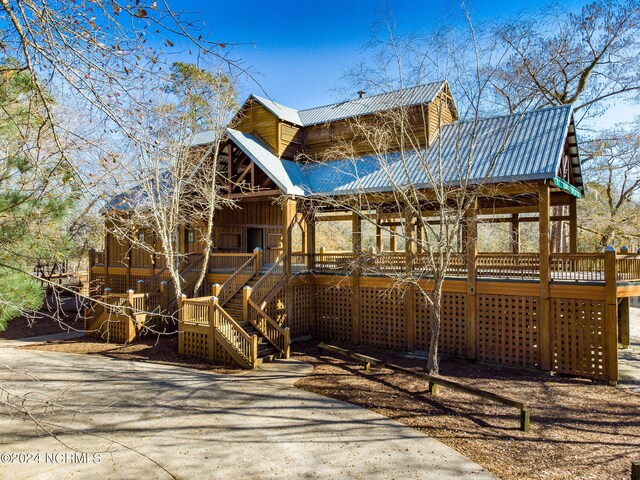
{"type": "Point", "coordinates": [140, 236]}
{"type": "Point", "coordinates": [191, 235]}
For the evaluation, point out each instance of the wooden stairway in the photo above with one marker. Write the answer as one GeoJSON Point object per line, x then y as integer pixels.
{"type": "Point", "coordinates": [234, 307]}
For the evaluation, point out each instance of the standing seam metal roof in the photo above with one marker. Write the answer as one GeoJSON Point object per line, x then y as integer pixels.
{"type": "Point", "coordinates": [366, 105]}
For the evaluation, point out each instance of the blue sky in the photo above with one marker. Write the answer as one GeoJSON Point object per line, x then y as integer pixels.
{"type": "Point", "coordinates": [300, 49]}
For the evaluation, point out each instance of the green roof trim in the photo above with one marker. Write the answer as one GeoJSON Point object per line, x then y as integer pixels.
{"type": "Point", "coordinates": [567, 187]}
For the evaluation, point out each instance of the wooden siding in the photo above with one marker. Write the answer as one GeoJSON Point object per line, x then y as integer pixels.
{"type": "Point", "coordinates": [258, 121]}
{"type": "Point", "coordinates": [290, 140]}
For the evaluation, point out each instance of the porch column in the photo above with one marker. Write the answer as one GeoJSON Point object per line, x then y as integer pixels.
{"type": "Point", "coordinates": [544, 313]}
{"type": "Point", "coordinates": [288, 216]}
{"type": "Point", "coordinates": [379, 245]}
{"type": "Point", "coordinates": [356, 248]}
{"type": "Point", "coordinates": [515, 233]}
{"type": "Point", "coordinates": [409, 300]}
{"type": "Point", "coordinates": [393, 241]}
{"type": "Point", "coordinates": [471, 252]}
{"type": "Point", "coordinates": [311, 241]}
{"type": "Point", "coordinates": [611, 316]}
{"type": "Point", "coordinates": [573, 225]}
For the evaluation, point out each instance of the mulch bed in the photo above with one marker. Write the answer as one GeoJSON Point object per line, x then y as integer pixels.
{"type": "Point", "coordinates": [163, 350]}
{"type": "Point", "coordinates": [58, 315]}
{"type": "Point", "coordinates": [579, 429]}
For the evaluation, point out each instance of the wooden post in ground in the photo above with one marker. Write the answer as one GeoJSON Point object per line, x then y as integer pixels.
{"type": "Point", "coordinates": [356, 248]}
{"type": "Point", "coordinates": [573, 225]}
{"type": "Point", "coordinates": [544, 307]}
{"type": "Point", "coordinates": [635, 471]}
{"type": "Point", "coordinates": [611, 317]}
{"type": "Point", "coordinates": [624, 333]}
{"type": "Point", "coordinates": [409, 297]}
{"type": "Point", "coordinates": [471, 252]}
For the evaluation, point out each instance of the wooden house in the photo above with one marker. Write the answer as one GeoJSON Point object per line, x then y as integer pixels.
{"type": "Point", "coordinates": [268, 279]}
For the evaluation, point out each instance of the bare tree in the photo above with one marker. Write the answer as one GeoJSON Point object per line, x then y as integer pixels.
{"type": "Point", "coordinates": [426, 181]}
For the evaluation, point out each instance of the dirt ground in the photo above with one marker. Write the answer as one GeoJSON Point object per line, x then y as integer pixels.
{"type": "Point", "coordinates": [57, 315]}
{"type": "Point", "coordinates": [579, 429]}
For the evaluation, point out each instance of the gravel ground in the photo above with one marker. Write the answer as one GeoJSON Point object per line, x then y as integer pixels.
{"type": "Point", "coordinates": [579, 429]}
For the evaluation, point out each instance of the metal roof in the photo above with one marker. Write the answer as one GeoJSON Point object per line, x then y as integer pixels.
{"type": "Point", "coordinates": [366, 105]}
{"type": "Point", "coordinates": [265, 160]}
{"type": "Point", "coordinates": [519, 147]}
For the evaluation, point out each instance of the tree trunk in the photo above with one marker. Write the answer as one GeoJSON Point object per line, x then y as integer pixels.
{"type": "Point", "coordinates": [433, 363]}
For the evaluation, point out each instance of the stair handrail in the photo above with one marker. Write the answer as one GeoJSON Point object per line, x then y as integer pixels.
{"type": "Point", "coordinates": [268, 280]}
{"type": "Point", "coordinates": [153, 284]}
{"type": "Point", "coordinates": [199, 260]}
{"type": "Point", "coordinates": [238, 280]}
{"type": "Point", "coordinates": [231, 331]}
{"type": "Point", "coordinates": [276, 335]}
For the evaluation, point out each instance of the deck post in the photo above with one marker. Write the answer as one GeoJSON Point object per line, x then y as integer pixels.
{"type": "Point", "coordinates": [215, 289]}
{"type": "Point", "coordinates": [246, 293]}
{"type": "Point", "coordinates": [311, 241]}
{"type": "Point", "coordinates": [181, 300]}
{"type": "Point", "coordinates": [379, 244]}
{"type": "Point", "coordinates": [213, 305]}
{"type": "Point", "coordinates": [92, 261]}
{"type": "Point", "coordinates": [164, 300]}
{"type": "Point", "coordinates": [573, 225]}
{"type": "Point", "coordinates": [471, 251]}
{"type": "Point", "coordinates": [289, 212]}
{"type": "Point", "coordinates": [515, 233]}
{"type": "Point", "coordinates": [356, 248]}
{"type": "Point", "coordinates": [624, 334]}
{"type": "Point", "coordinates": [393, 241]}
{"type": "Point", "coordinates": [544, 308]}
{"type": "Point", "coordinates": [139, 286]}
{"type": "Point", "coordinates": [409, 259]}
{"type": "Point", "coordinates": [611, 317]}
{"type": "Point", "coordinates": [257, 252]}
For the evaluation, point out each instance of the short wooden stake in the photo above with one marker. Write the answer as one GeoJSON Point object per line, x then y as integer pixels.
{"type": "Point", "coordinates": [525, 420]}
{"type": "Point", "coordinates": [434, 389]}
{"type": "Point", "coordinates": [635, 471]}
{"type": "Point", "coordinates": [367, 366]}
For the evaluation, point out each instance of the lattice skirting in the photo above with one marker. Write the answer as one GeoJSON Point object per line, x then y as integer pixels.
{"type": "Point", "coordinates": [508, 330]}
{"type": "Point", "coordinates": [578, 333]}
{"type": "Point", "coordinates": [196, 341]}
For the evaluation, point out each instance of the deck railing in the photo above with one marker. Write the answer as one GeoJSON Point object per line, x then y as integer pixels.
{"type": "Point", "coordinates": [206, 311]}
{"type": "Point", "coordinates": [239, 278]}
{"type": "Point", "coordinates": [577, 266]}
{"type": "Point", "coordinates": [227, 262]}
{"type": "Point", "coordinates": [269, 280]}
{"type": "Point", "coordinates": [522, 266]}
{"type": "Point", "coordinates": [267, 287]}
{"type": "Point", "coordinates": [628, 267]}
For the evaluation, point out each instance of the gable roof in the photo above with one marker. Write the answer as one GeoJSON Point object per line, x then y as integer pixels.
{"type": "Point", "coordinates": [366, 105]}
{"type": "Point", "coordinates": [510, 148]}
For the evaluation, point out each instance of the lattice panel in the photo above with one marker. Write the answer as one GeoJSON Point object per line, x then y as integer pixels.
{"type": "Point", "coordinates": [578, 337]}
{"type": "Point", "coordinates": [301, 314]}
{"type": "Point", "coordinates": [117, 283]}
{"type": "Point", "coordinates": [382, 318]}
{"type": "Point", "coordinates": [97, 283]}
{"type": "Point", "coordinates": [452, 329]}
{"type": "Point", "coordinates": [113, 328]}
{"type": "Point", "coordinates": [276, 308]}
{"type": "Point", "coordinates": [196, 344]}
{"type": "Point", "coordinates": [333, 313]}
{"type": "Point", "coordinates": [508, 330]}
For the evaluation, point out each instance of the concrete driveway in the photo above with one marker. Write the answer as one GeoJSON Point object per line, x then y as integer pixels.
{"type": "Point", "coordinates": [137, 420]}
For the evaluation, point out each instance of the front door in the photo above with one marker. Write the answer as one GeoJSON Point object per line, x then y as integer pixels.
{"type": "Point", "coordinates": [255, 239]}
